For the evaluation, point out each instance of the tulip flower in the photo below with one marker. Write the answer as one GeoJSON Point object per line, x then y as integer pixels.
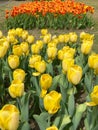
{"type": "Point", "coordinates": [35, 49]}
{"type": "Point", "coordinates": [19, 74]}
{"type": "Point", "coordinates": [16, 89]}
{"type": "Point", "coordinates": [33, 59]}
{"type": "Point", "coordinates": [30, 39]}
{"type": "Point", "coordinates": [52, 128]}
{"type": "Point", "coordinates": [93, 61]}
{"type": "Point", "coordinates": [51, 52]}
{"type": "Point", "coordinates": [74, 74]}
{"type": "Point", "coordinates": [86, 46]}
{"type": "Point", "coordinates": [9, 117]}
{"type": "Point", "coordinates": [45, 83]}
{"type": "Point", "coordinates": [73, 37]}
{"type": "Point", "coordinates": [17, 50]}
{"type": "Point", "coordinates": [13, 61]}
{"type": "Point", "coordinates": [3, 50]}
{"type": "Point", "coordinates": [52, 102]}
{"type": "Point", "coordinates": [66, 63]}
{"type": "Point", "coordinates": [19, 32]}
{"type": "Point", "coordinates": [44, 32]}
{"type": "Point", "coordinates": [25, 47]}
{"type": "Point", "coordinates": [94, 97]}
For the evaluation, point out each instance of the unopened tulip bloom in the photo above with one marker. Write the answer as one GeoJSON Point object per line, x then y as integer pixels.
{"type": "Point", "coordinates": [24, 34]}
{"type": "Point", "coordinates": [13, 61]}
{"type": "Point", "coordinates": [33, 59]}
{"type": "Point", "coordinates": [9, 117]}
{"type": "Point", "coordinates": [86, 36]}
{"type": "Point", "coordinates": [66, 38]}
{"type": "Point", "coordinates": [45, 81]}
{"type": "Point", "coordinates": [52, 128]}
{"type": "Point", "coordinates": [25, 47]}
{"type": "Point", "coordinates": [30, 39]}
{"type": "Point", "coordinates": [60, 54]}
{"type": "Point", "coordinates": [94, 97]}
{"type": "Point", "coordinates": [52, 102]}
{"type": "Point", "coordinates": [35, 49]}
{"type": "Point", "coordinates": [40, 66]}
{"type": "Point", "coordinates": [61, 38]}
{"type": "Point", "coordinates": [51, 52]}
{"type": "Point", "coordinates": [16, 89]}
{"type": "Point", "coordinates": [3, 50]}
{"type": "Point", "coordinates": [66, 63]}
{"type": "Point", "coordinates": [73, 37]}
{"type": "Point", "coordinates": [19, 74]}
{"type": "Point", "coordinates": [93, 61]}
{"type": "Point", "coordinates": [47, 38]}
{"type": "Point", "coordinates": [19, 32]}
{"type": "Point", "coordinates": [44, 31]}
{"type": "Point", "coordinates": [17, 50]}
{"type": "Point", "coordinates": [74, 74]}
{"type": "Point", "coordinates": [86, 46]}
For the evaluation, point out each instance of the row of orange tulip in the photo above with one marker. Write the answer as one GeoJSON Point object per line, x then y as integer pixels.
{"type": "Point", "coordinates": [55, 7]}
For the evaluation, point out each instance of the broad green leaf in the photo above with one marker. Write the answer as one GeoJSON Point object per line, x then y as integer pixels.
{"type": "Point", "coordinates": [78, 115]}
{"type": "Point", "coordinates": [71, 104]}
{"type": "Point", "coordinates": [66, 120]}
{"type": "Point", "coordinates": [25, 126]}
{"type": "Point", "coordinates": [42, 120]}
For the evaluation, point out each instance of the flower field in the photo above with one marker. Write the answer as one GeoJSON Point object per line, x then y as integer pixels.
{"type": "Point", "coordinates": [54, 14]}
{"type": "Point", "coordinates": [43, 79]}
{"type": "Point", "coordinates": [48, 81]}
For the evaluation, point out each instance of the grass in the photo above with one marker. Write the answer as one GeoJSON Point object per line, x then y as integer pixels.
{"type": "Point", "coordinates": [4, 6]}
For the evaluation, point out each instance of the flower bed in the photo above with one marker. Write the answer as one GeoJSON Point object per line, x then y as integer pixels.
{"type": "Point", "coordinates": [50, 14]}
{"type": "Point", "coordinates": [52, 80]}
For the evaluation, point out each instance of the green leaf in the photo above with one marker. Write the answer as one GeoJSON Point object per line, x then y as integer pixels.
{"type": "Point", "coordinates": [71, 104]}
{"type": "Point", "coordinates": [42, 120]}
{"type": "Point", "coordinates": [66, 120]}
{"type": "Point", "coordinates": [25, 126]}
{"type": "Point", "coordinates": [78, 115]}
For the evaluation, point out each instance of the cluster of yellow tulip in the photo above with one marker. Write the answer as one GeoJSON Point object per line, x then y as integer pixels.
{"type": "Point", "coordinates": [52, 69]}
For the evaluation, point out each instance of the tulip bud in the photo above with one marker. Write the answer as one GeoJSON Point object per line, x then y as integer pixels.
{"type": "Point", "coordinates": [19, 74]}
{"type": "Point", "coordinates": [16, 89]}
{"type": "Point", "coordinates": [93, 61]}
{"type": "Point", "coordinates": [51, 52]}
{"type": "Point", "coordinates": [9, 117]}
{"type": "Point", "coordinates": [52, 102]}
{"type": "Point", "coordinates": [13, 61]}
{"type": "Point", "coordinates": [45, 81]}
{"type": "Point", "coordinates": [74, 74]}
{"type": "Point", "coordinates": [17, 50]}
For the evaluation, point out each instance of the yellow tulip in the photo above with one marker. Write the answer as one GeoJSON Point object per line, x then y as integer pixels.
{"type": "Point", "coordinates": [52, 128]}
{"type": "Point", "coordinates": [86, 36]}
{"type": "Point", "coordinates": [35, 49]}
{"type": "Point", "coordinates": [51, 52]}
{"type": "Point", "coordinates": [17, 50]}
{"type": "Point", "coordinates": [13, 61]}
{"type": "Point", "coordinates": [19, 74]}
{"type": "Point", "coordinates": [33, 59]}
{"type": "Point", "coordinates": [69, 53]}
{"type": "Point", "coordinates": [60, 54]}
{"type": "Point", "coordinates": [3, 50]}
{"type": "Point", "coordinates": [93, 61]}
{"type": "Point", "coordinates": [30, 39]}
{"type": "Point", "coordinates": [61, 38]}
{"type": "Point", "coordinates": [12, 32]}
{"type": "Point", "coordinates": [25, 47]}
{"type": "Point", "coordinates": [73, 37]}
{"type": "Point", "coordinates": [44, 31]}
{"type": "Point", "coordinates": [47, 38]}
{"type": "Point", "coordinates": [94, 97]}
{"type": "Point", "coordinates": [40, 66]}
{"type": "Point", "coordinates": [16, 89]}
{"type": "Point", "coordinates": [52, 102]}
{"type": "Point", "coordinates": [9, 117]}
{"type": "Point", "coordinates": [24, 34]}
{"type": "Point", "coordinates": [19, 32]}
{"type": "Point", "coordinates": [39, 44]}
{"type": "Point", "coordinates": [66, 63]}
{"type": "Point", "coordinates": [66, 38]}
{"type": "Point", "coordinates": [86, 46]}
{"type": "Point", "coordinates": [45, 81]}
{"type": "Point", "coordinates": [74, 74]}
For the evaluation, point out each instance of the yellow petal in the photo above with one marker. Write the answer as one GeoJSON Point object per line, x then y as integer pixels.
{"type": "Point", "coordinates": [35, 73]}
{"type": "Point", "coordinates": [91, 104]}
